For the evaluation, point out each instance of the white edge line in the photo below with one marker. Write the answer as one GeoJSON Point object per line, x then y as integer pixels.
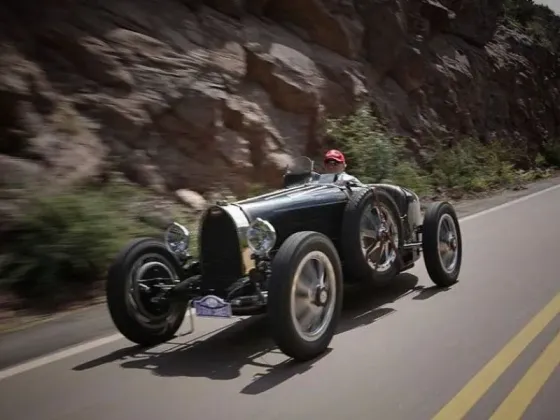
{"type": "Point", "coordinates": [54, 357]}
{"type": "Point", "coordinates": [509, 203]}
{"type": "Point", "coordinates": [81, 348]}
{"type": "Point", "coordinates": [59, 355]}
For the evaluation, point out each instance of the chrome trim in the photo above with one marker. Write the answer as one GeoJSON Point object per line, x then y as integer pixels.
{"type": "Point", "coordinates": [186, 238]}
{"type": "Point", "coordinates": [242, 224]}
{"type": "Point", "coordinates": [313, 296]}
{"type": "Point", "coordinates": [288, 192]}
{"type": "Point", "coordinates": [266, 224]}
{"type": "Point", "coordinates": [277, 192]}
{"type": "Point", "coordinates": [450, 240]}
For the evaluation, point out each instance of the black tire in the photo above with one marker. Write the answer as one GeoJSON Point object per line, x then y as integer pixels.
{"type": "Point", "coordinates": [127, 318]}
{"type": "Point", "coordinates": [435, 213]}
{"type": "Point", "coordinates": [356, 266]}
{"type": "Point", "coordinates": [284, 266]}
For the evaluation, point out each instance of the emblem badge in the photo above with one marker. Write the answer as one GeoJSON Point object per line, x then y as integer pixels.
{"type": "Point", "coordinates": [212, 307]}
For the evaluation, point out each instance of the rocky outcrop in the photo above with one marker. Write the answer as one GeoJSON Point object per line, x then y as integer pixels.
{"type": "Point", "coordinates": [194, 95]}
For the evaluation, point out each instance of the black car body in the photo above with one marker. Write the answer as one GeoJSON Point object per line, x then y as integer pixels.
{"type": "Point", "coordinates": [225, 256]}
{"type": "Point", "coordinates": [254, 253]}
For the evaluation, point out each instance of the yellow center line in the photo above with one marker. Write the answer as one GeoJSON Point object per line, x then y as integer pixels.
{"type": "Point", "coordinates": [460, 405]}
{"type": "Point", "coordinates": [513, 407]}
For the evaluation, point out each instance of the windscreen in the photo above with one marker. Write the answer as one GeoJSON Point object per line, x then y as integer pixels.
{"type": "Point", "coordinates": [300, 165]}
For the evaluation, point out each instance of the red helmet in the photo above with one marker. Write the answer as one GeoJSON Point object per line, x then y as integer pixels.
{"type": "Point", "coordinates": [335, 155]}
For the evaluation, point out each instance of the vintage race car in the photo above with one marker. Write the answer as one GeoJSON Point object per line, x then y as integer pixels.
{"type": "Point", "coordinates": [286, 254]}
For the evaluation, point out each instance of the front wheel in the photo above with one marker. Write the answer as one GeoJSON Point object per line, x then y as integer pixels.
{"type": "Point", "coordinates": [442, 244]}
{"type": "Point", "coordinates": [305, 295]}
{"type": "Point", "coordinates": [131, 298]}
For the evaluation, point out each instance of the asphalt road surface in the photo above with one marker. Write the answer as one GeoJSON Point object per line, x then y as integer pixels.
{"type": "Point", "coordinates": [487, 348]}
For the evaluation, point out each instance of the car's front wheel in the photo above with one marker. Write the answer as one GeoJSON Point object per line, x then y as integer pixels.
{"type": "Point", "coordinates": [131, 297]}
{"type": "Point", "coordinates": [305, 295]}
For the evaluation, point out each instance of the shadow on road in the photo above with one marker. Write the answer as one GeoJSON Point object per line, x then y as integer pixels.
{"type": "Point", "coordinates": [222, 353]}
{"type": "Point", "coordinates": [428, 292]}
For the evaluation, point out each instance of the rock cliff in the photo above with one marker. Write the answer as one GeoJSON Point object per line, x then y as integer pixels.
{"type": "Point", "coordinates": [187, 94]}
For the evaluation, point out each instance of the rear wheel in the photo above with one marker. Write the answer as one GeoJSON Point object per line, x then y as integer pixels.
{"type": "Point", "coordinates": [133, 305]}
{"type": "Point", "coordinates": [442, 244]}
{"type": "Point", "coordinates": [305, 295]}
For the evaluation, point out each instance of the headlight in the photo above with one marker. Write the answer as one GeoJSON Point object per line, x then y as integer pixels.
{"type": "Point", "coordinates": [261, 237]}
{"type": "Point", "coordinates": [177, 238]}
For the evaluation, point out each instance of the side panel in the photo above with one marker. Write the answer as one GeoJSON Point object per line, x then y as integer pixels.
{"type": "Point", "coordinates": [414, 214]}
{"type": "Point", "coordinates": [323, 218]}
{"type": "Point", "coordinates": [409, 206]}
{"type": "Point", "coordinates": [414, 219]}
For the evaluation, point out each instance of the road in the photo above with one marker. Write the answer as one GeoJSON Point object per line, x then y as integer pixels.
{"type": "Point", "coordinates": [490, 344]}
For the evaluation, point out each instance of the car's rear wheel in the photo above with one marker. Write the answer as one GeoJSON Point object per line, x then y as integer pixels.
{"type": "Point", "coordinates": [134, 309]}
{"type": "Point", "coordinates": [442, 243]}
{"type": "Point", "coordinates": [305, 295]}
{"type": "Point", "coordinates": [371, 238]}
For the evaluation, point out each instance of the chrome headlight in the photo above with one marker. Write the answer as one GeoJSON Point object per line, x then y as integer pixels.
{"type": "Point", "coordinates": [177, 238]}
{"type": "Point", "coordinates": [261, 237]}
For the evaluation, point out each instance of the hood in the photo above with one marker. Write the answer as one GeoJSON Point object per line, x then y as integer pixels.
{"type": "Point", "coordinates": [268, 205]}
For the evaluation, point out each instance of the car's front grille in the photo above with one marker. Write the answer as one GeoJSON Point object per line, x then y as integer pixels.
{"type": "Point", "coordinates": [220, 254]}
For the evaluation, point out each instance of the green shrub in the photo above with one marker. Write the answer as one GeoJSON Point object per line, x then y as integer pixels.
{"type": "Point", "coordinates": [369, 150]}
{"type": "Point", "coordinates": [375, 155]}
{"type": "Point", "coordinates": [551, 153]}
{"type": "Point", "coordinates": [409, 175]}
{"type": "Point", "coordinates": [64, 242]}
{"type": "Point", "coordinates": [474, 167]}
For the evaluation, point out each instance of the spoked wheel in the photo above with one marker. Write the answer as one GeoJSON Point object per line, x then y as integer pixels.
{"type": "Point", "coordinates": [380, 237]}
{"type": "Point", "coordinates": [305, 295]}
{"type": "Point", "coordinates": [135, 302]}
{"type": "Point", "coordinates": [372, 237]}
{"type": "Point", "coordinates": [442, 244]}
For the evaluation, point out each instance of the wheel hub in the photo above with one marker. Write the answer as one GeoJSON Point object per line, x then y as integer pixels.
{"type": "Point", "coordinates": [153, 301]}
{"type": "Point", "coordinates": [313, 295]}
{"type": "Point", "coordinates": [452, 241]}
{"type": "Point", "coordinates": [448, 243]}
{"type": "Point", "coordinates": [150, 297]}
{"type": "Point", "coordinates": [380, 248]}
{"type": "Point", "coordinates": [321, 296]}
{"type": "Point", "coordinates": [383, 234]}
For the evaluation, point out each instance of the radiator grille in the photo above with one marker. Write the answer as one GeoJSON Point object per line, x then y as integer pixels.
{"type": "Point", "coordinates": [220, 254]}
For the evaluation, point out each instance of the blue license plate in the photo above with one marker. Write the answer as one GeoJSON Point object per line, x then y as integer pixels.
{"type": "Point", "coordinates": [212, 307]}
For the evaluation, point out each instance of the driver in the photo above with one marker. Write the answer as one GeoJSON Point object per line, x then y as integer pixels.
{"type": "Point", "coordinates": [335, 163]}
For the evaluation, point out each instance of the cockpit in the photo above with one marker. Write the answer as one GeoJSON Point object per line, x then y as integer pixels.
{"type": "Point", "coordinates": [301, 171]}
